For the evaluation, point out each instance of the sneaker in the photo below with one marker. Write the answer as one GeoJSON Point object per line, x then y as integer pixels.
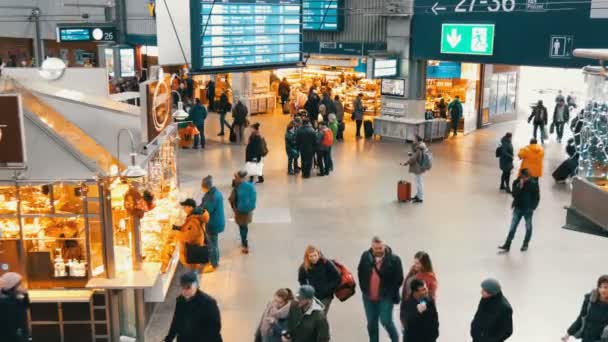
{"type": "Point", "coordinates": [417, 200]}
{"type": "Point", "coordinates": [504, 248]}
{"type": "Point", "coordinates": [208, 269]}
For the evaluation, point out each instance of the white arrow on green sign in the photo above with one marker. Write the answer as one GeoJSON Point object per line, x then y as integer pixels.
{"type": "Point", "coordinates": [467, 39]}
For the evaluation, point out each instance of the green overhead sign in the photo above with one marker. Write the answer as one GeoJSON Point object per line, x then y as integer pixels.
{"type": "Point", "coordinates": [467, 39]}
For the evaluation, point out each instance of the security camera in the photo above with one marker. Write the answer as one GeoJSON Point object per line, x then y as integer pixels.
{"type": "Point", "coordinates": [85, 15]}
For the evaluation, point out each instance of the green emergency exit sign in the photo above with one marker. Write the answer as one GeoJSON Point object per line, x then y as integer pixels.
{"type": "Point", "coordinates": [467, 39]}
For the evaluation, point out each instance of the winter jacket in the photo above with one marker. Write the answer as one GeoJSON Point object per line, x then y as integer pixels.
{"type": "Point", "coordinates": [506, 154]}
{"type": "Point", "coordinates": [224, 105]}
{"type": "Point", "coordinates": [192, 232]}
{"type": "Point", "coordinates": [255, 148]}
{"type": "Point", "coordinates": [329, 104]}
{"type": "Point", "coordinates": [419, 327]}
{"type": "Point", "coordinates": [284, 89]}
{"type": "Point", "coordinates": [196, 320]}
{"type": "Point", "coordinates": [429, 279]}
{"type": "Point", "coordinates": [240, 218]}
{"type": "Point", "coordinates": [312, 106]}
{"type": "Point", "coordinates": [213, 203]}
{"type": "Point", "coordinates": [596, 319]}
{"type": "Point", "coordinates": [291, 145]}
{"type": "Point", "coordinates": [320, 134]}
{"type": "Point", "coordinates": [239, 114]}
{"type": "Point", "coordinates": [323, 276]}
{"type": "Point", "coordinates": [493, 320]}
{"type": "Point", "coordinates": [391, 274]}
{"type": "Point", "coordinates": [309, 326]}
{"type": "Point", "coordinates": [306, 139]}
{"type": "Point", "coordinates": [197, 114]}
{"type": "Point", "coordinates": [526, 198]}
{"type": "Point", "coordinates": [566, 117]}
{"type": "Point", "coordinates": [334, 129]}
{"type": "Point", "coordinates": [416, 158]}
{"type": "Point", "coordinates": [539, 115]}
{"type": "Point", "coordinates": [271, 332]}
{"type": "Point", "coordinates": [455, 109]}
{"type": "Point", "coordinates": [532, 159]}
{"type": "Point", "coordinates": [13, 316]}
{"type": "Point", "coordinates": [339, 110]}
{"type": "Point", "coordinates": [211, 90]}
{"type": "Point", "coordinates": [358, 109]}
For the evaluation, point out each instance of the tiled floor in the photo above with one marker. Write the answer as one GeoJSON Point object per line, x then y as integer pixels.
{"type": "Point", "coordinates": [463, 219]}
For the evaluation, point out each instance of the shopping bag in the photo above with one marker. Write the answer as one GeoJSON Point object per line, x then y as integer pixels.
{"type": "Point", "coordinates": [544, 133]}
{"type": "Point", "coordinates": [254, 169]}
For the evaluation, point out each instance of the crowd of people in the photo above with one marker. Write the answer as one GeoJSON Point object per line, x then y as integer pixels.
{"type": "Point", "coordinates": [383, 285]}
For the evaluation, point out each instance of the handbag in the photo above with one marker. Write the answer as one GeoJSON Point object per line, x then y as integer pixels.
{"type": "Point", "coordinates": [544, 133]}
{"type": "Point", "coordinates": [264, 148]}
{"type": "Point", "coordinates": [197, 254]}
{"type": "Point", "coordinates": [254, 168]}
{"type": "Point", "coordinates": [552, 128]}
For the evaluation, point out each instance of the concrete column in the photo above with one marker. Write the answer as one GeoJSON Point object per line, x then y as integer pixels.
{"type": "Point", "coordinates": [121, 21]}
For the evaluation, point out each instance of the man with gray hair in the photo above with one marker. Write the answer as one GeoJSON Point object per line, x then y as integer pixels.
{"type": "Point", "coordinates": [380, 277]}
{"type": "Point", "coordinates": [213, 202]}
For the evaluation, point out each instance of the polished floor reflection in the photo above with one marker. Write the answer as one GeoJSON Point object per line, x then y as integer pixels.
{"type": "Point", "coordinates": [462, 221]}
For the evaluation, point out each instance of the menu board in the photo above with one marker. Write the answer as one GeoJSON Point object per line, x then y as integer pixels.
{"type": "Point", "coordinates": [322, 15]}
{"type": "Point", "coordinates": [240, 34]}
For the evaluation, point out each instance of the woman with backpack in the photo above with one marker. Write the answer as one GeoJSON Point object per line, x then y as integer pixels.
{"type": "Point", "coordinates": [591, 325]}
{"type": "Point", "coordinates": [419, 163]}
{"type": "Point", "coordinates": [255, 151]}
{"type": "Point", "coordinates": [321, 274]}
{"type": "Point", "coordinates": [505, 156]}
{"type": "Point", "coordinates": [243, 200]}
{"type": "Point", "coordinates": [274, 318]}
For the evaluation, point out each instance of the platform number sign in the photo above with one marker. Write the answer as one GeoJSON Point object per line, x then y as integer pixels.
{"type": "Point", "coordinates": [467, 39]}
{"type": "Point", "coordinates": [561, 46]}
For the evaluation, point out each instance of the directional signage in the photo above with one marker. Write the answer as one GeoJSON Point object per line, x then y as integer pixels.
{"type": "Point", "coordinates": [322, 15]}
{"type": "Point", "coordinates": [561, 46]}
{"type": "Point", "coordinates": [467, 39]}
{"type": "Point", "coordinates": [86, 34]}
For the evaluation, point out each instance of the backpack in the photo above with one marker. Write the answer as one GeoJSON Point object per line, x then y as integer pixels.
{"type": "Point", "coordinates": [498, 151]}
{"type": "Point", "coordinates": [328, 138]}
{"type": "Point", "coordinates": [347, 286]}
{"type": "Point", "coordinates": [246, 198]}
{"type": "Point", "coordinates": [426, 161]}
{"type": "Point", "coordinates": [264, 148]}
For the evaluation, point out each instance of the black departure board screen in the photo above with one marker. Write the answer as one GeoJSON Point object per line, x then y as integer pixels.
{"type": "Point", "coordinates": [322, 15]}
{"type": "Point", "coordinates": [237, 34]}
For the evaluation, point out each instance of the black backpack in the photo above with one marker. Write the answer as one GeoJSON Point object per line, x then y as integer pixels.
{"type": "Point", "coordinates": [498, 151]}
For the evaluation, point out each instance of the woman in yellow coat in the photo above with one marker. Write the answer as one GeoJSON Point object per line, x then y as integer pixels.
{"type": "Point", "coordinates": [532, 158]}
{"type": "Point", "coordinates": [192, 231]}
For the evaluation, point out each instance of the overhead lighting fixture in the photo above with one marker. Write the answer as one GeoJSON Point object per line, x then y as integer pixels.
{"type": "Point", "coordinates": [180, 114]}
{"type": "Point", "coordinates": [133, 170]}
{"type": "Point", "coordinates": [52, 69]}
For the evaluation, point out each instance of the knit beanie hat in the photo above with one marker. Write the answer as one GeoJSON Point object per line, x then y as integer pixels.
{"type": "Point", "coordinates": [9, 280]}
{"type": "Point", "coordinates": [491, 286]}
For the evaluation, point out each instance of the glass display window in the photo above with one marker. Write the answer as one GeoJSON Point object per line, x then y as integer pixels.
{"type": "Point", "coordinates": [97, 265]}
{"type": "Point", "coordinates": [9, 229]}
{"type": "Point", "coordinates": [68, 198]}
{"type": "Point", "coordinates": [9, 256]}
{"type": "Point", "coordinates": [35, 199]}
{"type": "Point", "coordinates": [8, 200]}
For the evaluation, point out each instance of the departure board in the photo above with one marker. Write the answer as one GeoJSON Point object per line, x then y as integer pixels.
{"type": "Point", "coordinates": [322, 15]}
{"type": "Point", "coordinates": [241, 34]}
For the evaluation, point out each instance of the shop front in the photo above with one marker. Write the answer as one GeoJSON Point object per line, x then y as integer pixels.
{"type": "Point", "coordinates": [90, 230]}
{"type": "Point", "coordinates": [343, 76]}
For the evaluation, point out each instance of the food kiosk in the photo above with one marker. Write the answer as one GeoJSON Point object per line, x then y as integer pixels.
{"type": "Point", "coordinates": [87, 220]}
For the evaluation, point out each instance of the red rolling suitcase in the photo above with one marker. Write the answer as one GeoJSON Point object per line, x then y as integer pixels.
{"type": "Point", "coordinates": [404, 191]}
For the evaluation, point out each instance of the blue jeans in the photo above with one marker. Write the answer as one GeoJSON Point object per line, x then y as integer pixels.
{"type": "Point", "coordinates": [214, 249]}
{"type": "Point", "coordinates": [380, 311]}
{"type": "Point", "coordinates": [517, 215]}
{"type": "Point", "coordinates": [244, 230]}
{"type": "Point", "coordinates": [419, 186]}
{"type": "Point", "coordinates": [199, 140]}
{"type": "Point", "coordinates": [223, 122]}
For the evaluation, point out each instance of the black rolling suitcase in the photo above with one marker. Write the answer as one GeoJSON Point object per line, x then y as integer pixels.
{"type": "Point", "coordinates": [565, 170]}
{"type": "Point", "coordinates": [368, 129]}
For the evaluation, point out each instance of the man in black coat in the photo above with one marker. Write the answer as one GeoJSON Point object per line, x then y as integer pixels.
{"type": "Point", "coordinates": [493, 320]}
{"type": "Point", "coordinates": [312, 105]}
{"type": "Point", "coordinates": [419, 315]}
{"type": "Point", "coordinates": [239, 115]}
{"type": "Point", "coordinates": [505, 158]}
{"type": "Point", "coordinates": [380, 276]}
{"type": "Point", "coordinates": [306, 138]}
{"type": "Point", "coordinates": [211, 94]}
{"type": "Point", "coordinates": [197, 316]}
{"type": "Point", "coordinates": [539, 119]}
{"type": "Point", "coordinates": [14, 303]}
{"type": "Point", "coordinates": [526, 196]}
